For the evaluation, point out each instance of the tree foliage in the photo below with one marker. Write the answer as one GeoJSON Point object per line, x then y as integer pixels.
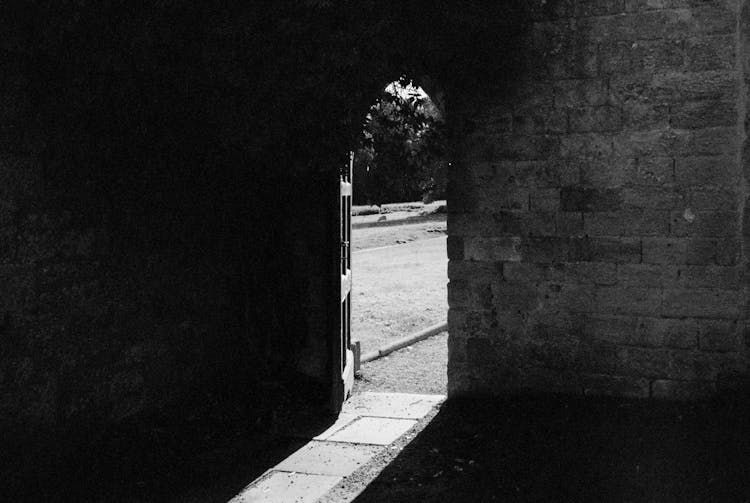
{"type": "Point", "coordinates": [403, 153]}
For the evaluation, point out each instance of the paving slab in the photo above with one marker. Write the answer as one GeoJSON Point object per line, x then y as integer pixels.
{"type": "Point", "coordinates": [343, 420]}
{"type": "Point", "coordinates": [284, 487]}
{"type": "Point", "coordinates": [368, 423]}
{"type": "Point", "coordinates": [328, 458]}
{"type": "Point", "coordinates": [396, 405]}
{"type": "Point", "coordinates": [373, 430]}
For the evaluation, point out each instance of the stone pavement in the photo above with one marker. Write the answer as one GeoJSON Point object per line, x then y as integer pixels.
{"type": "Point", "coordinates": [368, 424]}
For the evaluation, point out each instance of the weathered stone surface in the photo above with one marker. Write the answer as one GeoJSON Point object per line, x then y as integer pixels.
{"type": "Point", "coordinates": [646, 250]}
{"type": "Point", "coordinates": [393, 405]}
{"type": "Point", "coordinates": [373, 430]}
{"type": "Point", "coordinates": [327, 458]}
{"type": "Point", "coordinates": [283, 487]}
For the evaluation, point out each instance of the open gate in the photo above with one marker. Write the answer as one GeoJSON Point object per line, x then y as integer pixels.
{"type": "Point", "coordinates": [343, 357]}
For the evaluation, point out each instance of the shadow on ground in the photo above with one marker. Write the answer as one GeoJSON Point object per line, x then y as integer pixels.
{"type": "Point", "coordinates": [554, 448]}
{"type": "Point", "coordinates": [196, 452]}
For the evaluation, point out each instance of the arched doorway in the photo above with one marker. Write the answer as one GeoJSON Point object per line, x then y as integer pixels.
{"type": "Point", "coordinates": [394, 261]}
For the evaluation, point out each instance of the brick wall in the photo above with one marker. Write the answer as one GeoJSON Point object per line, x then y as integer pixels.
{"type": "Point", "coordinates": [596, 206]}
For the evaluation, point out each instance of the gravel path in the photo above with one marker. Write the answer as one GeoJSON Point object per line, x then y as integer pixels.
{"type": "Point", "coordinates": [420, 368]}
{"type": "Point", "coordinates": [398, 291]}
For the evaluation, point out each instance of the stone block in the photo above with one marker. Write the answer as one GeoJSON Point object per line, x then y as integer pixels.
{"type": "Point", "coordinates": [710, 276]}
{"type": "Point", "coordinates": [720, 335]}
{"type": "Point", "coordinates": [628, 57]}
{"type": "Point", "coordinates": [501, 249]}
{"type": "Point", "coordinates": [676, 23]}
{"type": "Point", "coordinates": [705, 113]}
{"type": "Point", "coordinates": [283, 487]}
{"type": "Point", "coordinates": [470, 322]}
{"type": "Point", "coordinates": [373, 430]}
{"type": "Point", "coordinates": [327, 458]}
{"type": "Point", "coordinates": [569, 224]}
{"type": "Point", "coordinates": [576, 59]}
{"type": "Point", "coordinates": [590, 200]}
{"type": "Point", "coordinates": [641, 331]}
{"type": "Point", "coordinates": [602, 249]}
{"type": "Point", "coordinates": [455, 247]}
{"type": "Point", "coordinates": [582, 147]}
{"type": "Point", "coordinates": [704, 366]}
{"type": "Point", "coordinates": [605, 173]}
{"type": "Point", "coordinates": [614, 329]}
{"type": "Point", "coordinates": [545, 200]}
{"type": "Point", "coordinates": [659, 250]}
{"type": "Point", "coordinates": [392, 405]}
{"type": "Point", "coordinates": [713, 199]}
{"type": "Point", "coordinates": [544, 249]}
{"type": "Point", "coordinates": [690, 223]}
{"type": "Point", "coordinates": [666, 332]}
{"type": "Point", "coordinates": [691, 251]}
{"type": "Point", "coordinates": [502, 197]}
{"type": "Point", "coordinates": [466, 269]}
{"type": "Point", "coordinates": [525, 147]}
{"type": "Point", "coordinates": [656, 198]}
{"type": "Point", "coordinates": [627, 223]}
{"type": "Point", "coordinates": [628, 300]}
{"type": "Point", "coordinates": [568, 298]}
{"type": "Point", "coordinates": [727, 252]}
{"type": "Point", "coordinates": [536, 121]}
{"type": "Point", "coordinates": [652, 171]}
{"type": "Point", "coordinates": [711, 53]}
{"type": "Point", "coordinates": [342, 420]}
{"type": "Point", "coordinates": [458, 293]}
{"type": "Point", "coordinates": [599, 273]}
{"type": "Point", "coordinates": [646, 275]}
{"type": "Point", "coordinates": [701, 303]}
{"type": "Point", "coordinates": [522, 223]}
{"type": "Point", "coordinates": [580, 92]}
{"type": "Point", "coordinates": [644, 144]}
{"type": "Point", "coordinates": [637, 115]}
{"type": "Point", "coordinates": [719, 141]}
{"type": "Point", "coordinates": [595, 119]}
{"type": "Point", "coordinates": [707, 141]}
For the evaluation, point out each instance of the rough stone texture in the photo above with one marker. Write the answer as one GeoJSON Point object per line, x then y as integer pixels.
{"type": "Point", "coordinates": [596, 236]}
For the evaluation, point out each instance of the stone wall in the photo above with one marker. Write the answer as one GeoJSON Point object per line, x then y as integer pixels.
{"type": "Point", "coordinates": [159, 261]}
{"type": "Point", "coordinates": [596, 206]}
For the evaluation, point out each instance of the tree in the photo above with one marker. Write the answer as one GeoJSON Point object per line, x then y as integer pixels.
{"type": "Point", "coordinates": [402, 157]}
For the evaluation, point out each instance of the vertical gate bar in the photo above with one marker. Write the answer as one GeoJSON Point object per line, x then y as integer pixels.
{"type": "Point", "coordinates": [350, 199]}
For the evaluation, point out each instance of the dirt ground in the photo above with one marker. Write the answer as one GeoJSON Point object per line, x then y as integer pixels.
{"type": "Point", "coordinates": [398, 291]}
{"type": "Point", "coordinates": [420, 368]}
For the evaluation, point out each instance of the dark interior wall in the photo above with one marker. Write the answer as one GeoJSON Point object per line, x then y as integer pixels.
{"type": "Point", "coordinates": [164, 168]}
{"type": "Point", "coordinates": [125, 252]}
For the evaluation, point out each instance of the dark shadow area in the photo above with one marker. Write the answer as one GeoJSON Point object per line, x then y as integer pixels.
{"type": "Point", "coordinates": [203, 452]}
{"type": "Point", "coordinates": [560, 448]}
